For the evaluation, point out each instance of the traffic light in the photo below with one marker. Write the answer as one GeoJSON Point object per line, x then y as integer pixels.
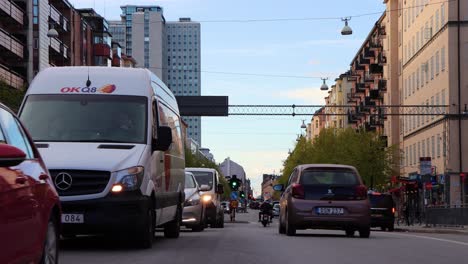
{"type": "Point", "coordinates": [234, 183]}
{"type": "Point", "coordinates": [242, 194]}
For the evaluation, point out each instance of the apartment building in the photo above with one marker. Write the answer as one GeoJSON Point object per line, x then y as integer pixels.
{"type": "Point", "coordinates": [432, 37]}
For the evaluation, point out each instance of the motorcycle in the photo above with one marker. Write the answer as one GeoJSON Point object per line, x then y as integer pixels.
{"type": "Point", "coordinates": [265, 219]}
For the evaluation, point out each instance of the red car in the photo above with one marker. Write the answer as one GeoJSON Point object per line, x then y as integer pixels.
{"type": "Point", "coordinates": [29, 204]}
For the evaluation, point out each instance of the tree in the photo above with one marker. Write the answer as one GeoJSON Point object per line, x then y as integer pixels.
{"type": "Point", "coordinates": [200, 161]}
{"type": "Point", "coordinates": [364, 150]}
{"type": "Point", "coordinates": [10, 96]}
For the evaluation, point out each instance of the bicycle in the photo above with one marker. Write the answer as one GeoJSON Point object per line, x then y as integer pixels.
{"type": "Point", "coordinates": [233, 214]}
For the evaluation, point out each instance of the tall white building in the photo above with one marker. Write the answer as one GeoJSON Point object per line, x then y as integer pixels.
{"type": "Point", "coordinates": [183, 66]}
{"type": "Point", "coordinates": [171, 50]}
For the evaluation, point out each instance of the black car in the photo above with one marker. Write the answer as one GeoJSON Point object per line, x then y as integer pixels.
{"type": "Point", "coordinates": [382, 211]}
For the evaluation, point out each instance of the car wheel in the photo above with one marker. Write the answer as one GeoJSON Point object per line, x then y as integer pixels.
{"type": "Point", "coordinates": [281, 228]}
{"type": "Point", "coordinates": [172, 229]}
{"type": "Point", "coordinates": [144, 237]}
{"type": "Point", "coordinates": [350, 232]}
{"type": "Point", "coordinates": [391, 227]}
{"type": "Point", "coordinates": [364, 232]}
{"type": "Point", "coordinates": [290, 229]}
{"type": "Point", "coordinates": [51, 244]}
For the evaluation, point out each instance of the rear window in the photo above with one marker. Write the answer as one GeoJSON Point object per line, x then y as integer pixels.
{"type": "Point", "coordinates": [329, 176]}
{"type": "Point", "coordinates": [381, 201]}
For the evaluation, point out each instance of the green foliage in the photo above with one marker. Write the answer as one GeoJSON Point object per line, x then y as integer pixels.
{"type": "Point", "coordinates": [364, 150]}
{"type": "Point", "coordinates": [200, 161]}
{"type": "Point", "coordinates": [11, 97]}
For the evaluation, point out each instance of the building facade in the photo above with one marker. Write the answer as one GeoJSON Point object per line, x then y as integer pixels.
{"type": "Point", "coordinates": [230, 168]}
{"type": "Point", "coordinates": [183, 66]}
{"type": "Point", "coordinates": [432, 57]}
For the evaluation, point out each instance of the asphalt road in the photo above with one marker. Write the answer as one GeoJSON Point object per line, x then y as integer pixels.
{"type": "Point", "coordinates": [249, 242]}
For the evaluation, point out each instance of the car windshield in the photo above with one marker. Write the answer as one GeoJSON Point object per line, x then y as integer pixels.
{"type": "Point", "coordinates": [329, 176]}
{"type": "Point", "coordinates": [381, 201]}
{"type": "Point", "coordinates": [86, 118]}
{"type": "Point", "coordinates": [189, 182]}
{"type": "Point", "coordinates": [204, 178]}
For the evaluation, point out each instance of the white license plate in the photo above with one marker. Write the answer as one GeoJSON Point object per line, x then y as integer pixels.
{"type": "Point", "coordinates": [72, 218]}
{"type": "Point", "coordinates": [330, 211]}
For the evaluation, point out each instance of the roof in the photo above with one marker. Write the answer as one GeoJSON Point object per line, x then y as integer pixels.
{"type": "Point", "coordinates": [308, 166]}
{"type": "Point", "coordinates": [368, 36]}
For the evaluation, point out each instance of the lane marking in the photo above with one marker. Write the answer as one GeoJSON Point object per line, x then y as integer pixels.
{"type": "Point", "coordinates": [432, 238]}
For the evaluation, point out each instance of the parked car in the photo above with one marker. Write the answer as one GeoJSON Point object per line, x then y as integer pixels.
{"type": "Point", "coordinates": [382, 211]}
{"type": "Point", "coordinates": [324, 196]}
{"type": "Point", "coordinates": [211, 197]}
{"type": "Point", "coordinates": [113, 144]}
{"type": "Point", "coordinates": [276, 210]}
{"type": "Point", "coordinates": [194, 209]}
{"type": "Point", "coordinates": [29, 204]}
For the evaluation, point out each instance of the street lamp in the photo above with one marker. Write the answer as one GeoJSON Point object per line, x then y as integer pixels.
{"type": "Point", "coordinates": [324, 86]}
{"type": "Point", "coordinates": [303, 124]}
{"type": "Point", "coordinates": [346, 29]}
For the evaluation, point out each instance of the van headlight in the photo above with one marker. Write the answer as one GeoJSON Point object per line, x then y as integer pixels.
{"type": "Point", "coordinates": [130, 179]}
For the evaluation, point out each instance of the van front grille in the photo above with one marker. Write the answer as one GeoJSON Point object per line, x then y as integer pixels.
{"type": "Point", "coordinates": [79, 182]}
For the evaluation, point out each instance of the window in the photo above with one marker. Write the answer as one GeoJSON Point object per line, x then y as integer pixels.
{"type": "Point", "coordinates": [442, 94]}
{"type": "Point", "coordinates": [427, 71]}
{"type": "Point", "coordinates": [438, 145]}
{"type": "Point", "coordinates": [414, 82]}
{"type": "Point", "coordinates": [427, 117]}
{"type": "Point", "coordinates": [442, 15]}
{"type": "Point", "coordinates": [422, 76]}
{"type": "Point", "coordinates": [419, 151]}
{"type": "Point", "coordinates": [432, 103]}
{"type": "Point", "coordinates": [423, 148]}
{"type": "Point", "coordinates": [432, 67]}
{"type": "Point", "coordinates": [414, 154]}
{"type": "Point", "coordinates": [428, 144]}
{"type": "Point", "coordinates": [437, 99]}
{"type": "Point", "coordinates": [442, 58]}
{"type": "Point", "coordinates": [422, 36]}
{"type": "Point", "coordinates": [437, 63]}
{"type": "Point", "coordinates": [433, 147]}
{"type": "Point", "coordinates": [14, 133]}
{"type": "Point", "coordinates": [417, 79]}
{"type": "Point", "coordinates": [422, 118]}
{"type": "Point", "coordinates": [413, 46]}
{"type": "Point", "coordinates": [437, 20]}
{"type": "Point", "coordinates": [411, 155]}
{"type": "Point", "coordinates": [406, 156]}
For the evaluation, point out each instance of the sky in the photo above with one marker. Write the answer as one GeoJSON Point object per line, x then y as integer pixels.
{"type": "Point", "coordinates": [312, 48]}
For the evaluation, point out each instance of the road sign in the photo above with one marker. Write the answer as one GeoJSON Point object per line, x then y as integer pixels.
{"type": "Point", "coordinates": [234, 196]}
{"type": "Point", "coordinates": [425, 165]}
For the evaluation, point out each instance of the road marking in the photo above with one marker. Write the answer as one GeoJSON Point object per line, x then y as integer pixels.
{"type": "Point", "coordinates": [433, 238]}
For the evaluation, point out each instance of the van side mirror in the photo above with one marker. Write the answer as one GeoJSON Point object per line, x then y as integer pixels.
{"type": "Point", "coordinates": [278, 187]}
{"type": "Point", "coordinates": [11, 156]}
{"type": "Point", "coordinates": [163, 140]}
{"type": "Point", "coordinates": [220, 189]}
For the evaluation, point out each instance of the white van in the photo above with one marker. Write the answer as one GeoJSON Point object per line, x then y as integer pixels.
{"type": "Point", "coordinates": [114, 147]}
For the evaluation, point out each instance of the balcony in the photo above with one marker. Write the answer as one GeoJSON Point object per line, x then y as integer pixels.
{"type": "Point", "coordinates": [382, 85]}
{"type": "Point", "coordinates": [381, 59]}
{"type": "Point", "coordinates": [352, 117]}
{"type": "Point", "coordinates": [375, 121]}
{"type": "Point", "coordinates": [360, 87]}
{"type": "Point", "coordinates": [10, 78]}
{"type": "Point", "coordinates": [382, 31]}
{"type": "Point", "coordinates": [102, 50]}
{"type": "Point", "coordinates": [375, 69]}
{"type": "Point", "coordinates": [59, 49]}
{"type": "Point", "coordinates": [59, 19]}
{"type": "Point", "coordinates": [358, 67]}
{"type": "Point", "coordinates": [368, 102]}
{"type": "Point", "coordinates": [369, 127]}
{"type": "Point", "coordinates": [11, 45]}
{"type": "Point", "coordinates": [375, 95]}
{"type": "Point", "coordinates": [363, 61]}
{"type": "Point", "coordinates": [375, 44]}
{"type": "Point", "coordinates": [368, 53]}
{"type": "Point", "coordinates": [368, 78]}
{"type": "Point", "coordinates": [12, 10]}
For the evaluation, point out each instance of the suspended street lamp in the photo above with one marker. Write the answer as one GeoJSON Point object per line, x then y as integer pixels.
{"type": "Point", "coordinates": [346, 29]}
{"type": "Point", "coordinates": [324, 86]}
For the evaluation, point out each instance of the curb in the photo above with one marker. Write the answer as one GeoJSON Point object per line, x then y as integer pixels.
{"type": "Point", "coordinates": [429, 230]}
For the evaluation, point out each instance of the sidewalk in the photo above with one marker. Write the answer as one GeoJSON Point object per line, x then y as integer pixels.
{"type": "Point", "coordinates": [431, 229]}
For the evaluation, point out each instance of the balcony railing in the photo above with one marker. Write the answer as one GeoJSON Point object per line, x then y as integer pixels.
{"type": "Point", "coordinates": [11, 78]}
{"type": "Point", "coordinates": [375, 69]}
{"type": "Point", "coordinates": [59, 47]}
{"type": "Point", "coordinates": [382, 59]}
{"type": "Point", "coordinates": [12, 10]}
{"type": "Point", "coordinates": [55, 15]}
{"type": "Point", "coordinates": [382, 85]}
{"type": "Point", "coordinates": [360, 87]}
{"type": "Point", "coordinates": [103, 50]}
{"type": "Point", "coordinates": [368, 53]}
{"type": "Point", "coordinates": [11, 43]}
{"type": "Point", "coordinates": [375, 94]}
{"type": "Point", "coordinates": [363, 61]}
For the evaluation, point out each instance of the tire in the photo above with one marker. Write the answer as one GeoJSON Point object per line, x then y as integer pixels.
{"type": "Point", "coordinates": [51, 243]}
{"type": "Point", "coordinates": [281, 228]}
{"type": "Point", "coordinates": [349, 232]}
{"type": "Point", "coordinates": [264, 223]}
{"type": "Point", "coordinates": [364, 232]}
{"type": "Point", "coordinates": [172, 229]}
{"type": "Point", "coordinates": [391, 227]}
{"type": "Point", "coordinates": [145, 235]}
{"type": "Point", "coordinates": [290, 229]}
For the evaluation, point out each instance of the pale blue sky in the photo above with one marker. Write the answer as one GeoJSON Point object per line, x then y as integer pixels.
{"type": "Point", "coordinates": [304, 48]}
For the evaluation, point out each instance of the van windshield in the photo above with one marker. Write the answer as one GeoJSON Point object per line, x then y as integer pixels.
{"type": "Point", "coordinates": [204, 178]}
{"type": "Point", "coordinates": [86, 118]}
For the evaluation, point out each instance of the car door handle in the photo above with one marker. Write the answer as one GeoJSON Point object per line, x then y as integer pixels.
{"type": "Point", "coordinates": [21, 180]}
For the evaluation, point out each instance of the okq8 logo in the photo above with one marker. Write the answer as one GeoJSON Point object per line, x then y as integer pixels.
{"type": "Point", "coordinates": [108, 88]}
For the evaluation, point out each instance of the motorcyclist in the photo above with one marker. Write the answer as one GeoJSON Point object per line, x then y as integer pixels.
{"type": "Point", "coordinates": [266, 208]}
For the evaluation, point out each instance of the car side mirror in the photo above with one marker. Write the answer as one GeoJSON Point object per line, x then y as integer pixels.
{"type": "Point", "coordinates": [204, 188]}
{"type": "Point", "coordinates": [278, 187]}
{"type": "Point", "coordinates": [220, 189]}
{"type": "Point", "coordinates": [163, 140]}
{"type": "Point", "coordinates": [11, 156]}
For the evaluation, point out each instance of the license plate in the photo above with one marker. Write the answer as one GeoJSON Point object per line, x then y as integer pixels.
{"type": "Point", "coordinates": [330, 211]}
{"type": "Point", "coordinates": [72, 218]}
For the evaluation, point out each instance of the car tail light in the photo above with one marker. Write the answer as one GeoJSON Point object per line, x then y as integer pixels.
{"type": "Point", "coordinates": [361, 192]}
{"type": "Point", "coordinates": [297, 191]}
{"type": "Point", "coordinates": [393, 210]}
